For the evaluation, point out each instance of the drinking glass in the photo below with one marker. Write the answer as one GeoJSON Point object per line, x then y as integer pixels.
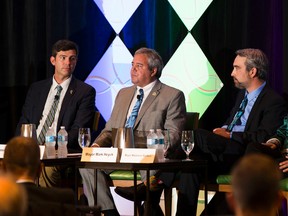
{"type": "Point", "coordinates": [187, 142]}
{"type": "Point", "coordinates": [84, 137]}
{"type": "Point", "coordinates": [29, 130]}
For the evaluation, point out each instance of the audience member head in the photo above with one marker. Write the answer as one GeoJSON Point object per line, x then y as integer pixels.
{"type": "Point", "coordinates": [255, 58]}
{"type": "Point", "coordinates": [154, 60]}
{"type": "Point", "coordinates": [22, 158]}
{"type": "Point", "coordinates": [13, 197]}
{"type": "Point", "coordinates": [255, 186]}
{"type": "Point", "coordinates": [64, 45]}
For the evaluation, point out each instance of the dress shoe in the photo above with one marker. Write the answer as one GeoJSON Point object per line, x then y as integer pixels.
{"type": "Point", "coordinates": [128, 192]}
{"type": "Point", "coordinates": [111, 212]}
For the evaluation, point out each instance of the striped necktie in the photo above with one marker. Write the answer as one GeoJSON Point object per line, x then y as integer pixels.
{"type": "Point", "coordinates": [239, 113]}
{"type": "Point", "coordinates": [50, 117]}
{"type": "Point", "coordinates": [132, 118]}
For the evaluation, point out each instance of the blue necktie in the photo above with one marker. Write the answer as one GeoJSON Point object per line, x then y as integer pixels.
{"type": "Point", "coordinates": [50, 117]}
{"type": "Point", "coordinates": [239, 113]}
{"type": "Point", "coordinates": [132, 118]}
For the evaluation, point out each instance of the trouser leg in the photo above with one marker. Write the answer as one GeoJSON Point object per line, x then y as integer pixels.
{"type": "Point", "coordinates": [143, 174]}
{"type": "Point", "coordinates": [260, 148]}
{"type": "Point", "coordinates": [189, 185]}
{"type": "Point", "coordinates": [50, 177]}
{"type": "Point", "coordinates": [104, 196]}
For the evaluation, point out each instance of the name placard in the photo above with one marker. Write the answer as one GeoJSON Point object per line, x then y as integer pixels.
{"type": "Point", "coordinates": [90, 154]}
{"type": "Point", "coordinates": [42, 150]}
{"type": "Point", "coordinates": [138, 155]}
{"type": "Point", "coordinates": [2, 148]}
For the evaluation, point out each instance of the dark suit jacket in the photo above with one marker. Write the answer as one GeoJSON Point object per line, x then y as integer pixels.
{"type": "Point", "coordinates": [49, 201]}
{"type": "Point", "coordinates": [40, 208]}
{"type": "Point", "coordinates": [265, 117]}
{"type": "Point", "coordinates": [52, 194]}
{"type": "Point", "coordinates": [78, 108]}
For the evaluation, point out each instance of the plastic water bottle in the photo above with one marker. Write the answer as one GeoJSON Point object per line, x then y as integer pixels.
{"type": "Point", "coordinates": [62, 142]}
{"type": "Point", "coordinates": [152, 139]}
{"type": "Point", "coordinates": [160, 137]}
{"type": "Point", "coordinates": [50, 142]}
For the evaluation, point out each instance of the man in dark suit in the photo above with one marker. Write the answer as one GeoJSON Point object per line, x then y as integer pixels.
{"type": "Point", "coordinates": [76, 103]}
{"type": "Point", "coordinates": [163, 107]}
{"type": "Point", "coordinates": [22, 161]}
{"type": "Point", "coordinates": [255, 122]}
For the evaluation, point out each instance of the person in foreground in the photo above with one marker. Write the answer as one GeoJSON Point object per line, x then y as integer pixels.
{"type": "Point", "coordinates": [257, 114]}
{"type": "Point", "coordinates": [162, 107]}
{"type": "Point", "coordinates": [13, 197]}
{"type": "Point", "coordinates": [22, 161]}
{"type": "Point", "coordinates": [72, 101]}
{"type": "Point", "coordinates": [255, 187]}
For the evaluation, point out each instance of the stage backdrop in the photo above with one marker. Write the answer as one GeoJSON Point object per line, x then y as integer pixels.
{"type": "Point", "coordinates": [165, 26]}
{"type": "Point", "coordinates": [197, 40]}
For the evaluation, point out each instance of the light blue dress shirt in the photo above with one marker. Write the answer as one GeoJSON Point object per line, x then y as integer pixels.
{"type": "Point", "coordinates": [252, 97]}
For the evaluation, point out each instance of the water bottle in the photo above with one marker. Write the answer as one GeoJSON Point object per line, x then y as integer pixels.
{"type": "Point", "coordinates": [160, 137]}
{"type": "Point", "coordinates": [152, 139]}
{"type": "Point", "coordinates": [50, 142]}
{"type": "Point", "coordinates": [62, 142]}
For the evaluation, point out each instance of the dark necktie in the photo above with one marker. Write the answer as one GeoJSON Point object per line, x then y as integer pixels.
{"type": "Point", "coordinates": [132, 118]}
{"type": "Point", "coordinates": [239, 113]}
{"type": "Point", "coordinates": [50, 117]}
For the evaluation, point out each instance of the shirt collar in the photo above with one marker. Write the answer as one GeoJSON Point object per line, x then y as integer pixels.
{"type": "Point", "coordinates": [147, 88]}
{"type": "Point", "coordinates": [255, 93]}
{"type": "Point", "coordinates": [25, 181]}
{"type": "Point", "coordinates": [64, 84]}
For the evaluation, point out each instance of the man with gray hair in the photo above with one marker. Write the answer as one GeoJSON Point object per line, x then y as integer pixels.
{"type": "Point", "coordinates": [161, 107]}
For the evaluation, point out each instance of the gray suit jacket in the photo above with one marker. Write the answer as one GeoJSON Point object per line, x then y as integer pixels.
{"type": "Point", "coordinates": [164, 108]}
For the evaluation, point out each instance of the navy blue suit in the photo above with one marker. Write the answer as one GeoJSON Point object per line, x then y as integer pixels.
{"type": "Point", "coordinates": [265, 117]}
{"type": "Point", "coordinates": [49, 201]}
{"type": "Point", "coordinates": [77, 110]}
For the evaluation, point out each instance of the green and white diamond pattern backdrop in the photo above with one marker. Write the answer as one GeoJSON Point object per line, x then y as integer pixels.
{"type": "Point", "coordinates": [187, 68]}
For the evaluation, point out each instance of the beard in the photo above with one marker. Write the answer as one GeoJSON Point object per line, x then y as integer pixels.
{"type": "Point", "coordinates": [238, 84]}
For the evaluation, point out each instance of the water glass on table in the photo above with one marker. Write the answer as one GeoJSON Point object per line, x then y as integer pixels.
{"type": "Point", "coordinates": [187, 142]}
{"type": "Point", "coordinates": [29, 130]}
{"type": "Point", "coordinates": [84, 137]}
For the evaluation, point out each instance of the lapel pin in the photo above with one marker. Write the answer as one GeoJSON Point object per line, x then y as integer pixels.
{"type": "Point", "coordinates": [71, 92]}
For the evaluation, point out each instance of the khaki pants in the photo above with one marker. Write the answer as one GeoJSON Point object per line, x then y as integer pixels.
{"type": "Point", "coordinates": [50, 177]}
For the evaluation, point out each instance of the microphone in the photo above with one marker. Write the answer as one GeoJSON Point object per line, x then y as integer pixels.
{"type": "Point", "coordinates": [56, 97]}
